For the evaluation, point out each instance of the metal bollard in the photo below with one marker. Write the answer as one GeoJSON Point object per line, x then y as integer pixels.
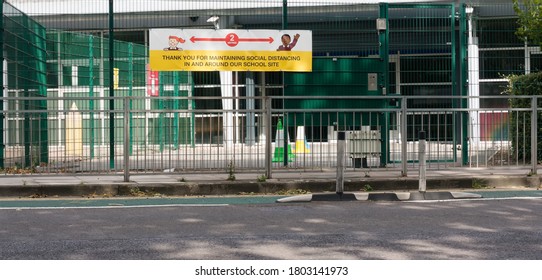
{"type": "Point", "coordinates": [341, 144]}
{"type": "Point", "coordinates": [422, 157]}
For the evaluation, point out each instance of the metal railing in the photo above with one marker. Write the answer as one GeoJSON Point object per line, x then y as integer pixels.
{"type": "Point", "coordinates": [69, 137]}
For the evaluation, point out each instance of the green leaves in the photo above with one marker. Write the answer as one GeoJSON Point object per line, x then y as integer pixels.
{"type": "Point", "coordinates": [530, 20]}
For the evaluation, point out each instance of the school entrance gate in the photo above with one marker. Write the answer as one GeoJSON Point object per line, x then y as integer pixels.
{"type": "Point", "coordinates": [419, 48]}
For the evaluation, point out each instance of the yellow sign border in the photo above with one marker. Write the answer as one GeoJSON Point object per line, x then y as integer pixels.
{"type": "Point", "coordinates": [205, 60]}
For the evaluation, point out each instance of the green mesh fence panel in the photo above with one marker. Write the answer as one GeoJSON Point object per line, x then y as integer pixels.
{"type": "Point", "coordinates": [25, 76]}
{"type": "Point", "coordinates": [60, 55]}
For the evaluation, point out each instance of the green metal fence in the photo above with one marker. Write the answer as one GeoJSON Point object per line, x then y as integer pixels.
{"type": "Point", "coordinates": [25, 74]}
{"type": "Point", "coordinates": [63, 58]}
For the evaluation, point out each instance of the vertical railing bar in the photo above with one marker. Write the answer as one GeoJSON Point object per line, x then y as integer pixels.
{"type": "Point", "coordinates": [517, 135]}
{"type": "Point", "coordinates": [126, 147]}
{"type": "Point", "coordinates": [534, 135]}
{"type": "Point", "coordinates": [111, 88]}
{"type": "Point", "coordinates": [524, 152]}
{"type": "Point", "coordinates": [269, 134]}
{"type": "Point", "coordinates": [404, 155]}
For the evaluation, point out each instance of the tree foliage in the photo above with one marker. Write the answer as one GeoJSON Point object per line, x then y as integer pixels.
{"type": "Point", "coordinates": [530, 20]}
{"type": "Point", "coordinates": [520, 121]}
{"type": "Point", "coordinates": [530, 30]}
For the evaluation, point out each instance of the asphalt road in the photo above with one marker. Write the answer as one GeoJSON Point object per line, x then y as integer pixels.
{"type": "Point", "coordinates": [462, 229]}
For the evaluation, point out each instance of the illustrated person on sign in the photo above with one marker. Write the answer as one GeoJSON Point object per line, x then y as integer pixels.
{"type": "Point", "coordinates": [287, 43]}
{"type": "Point", "coordinates": [173, 42]}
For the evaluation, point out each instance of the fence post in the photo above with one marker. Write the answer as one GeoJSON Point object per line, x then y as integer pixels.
{"type": "Point", "coordinates": [341, 147]}
{"type": "Point", "coordinates": [284, 15]}
{"type": "Point", "coordinates": [534, 135]}
{"type": "Point", "coordinates": [91, 93]}
{"type": "Point", "coordinates": [126, 148]}
{"type": "Point", "coordinates": [111, 88]}
{"type": "Point", "coordinates": [2, 84]}
{"type": "Point", "coordinates": [422, 157]}
{"type": "Point", "coordinates": [404, 157]}
{"type": "Point", "coordinates": [130, 94]}
{"type": "Point", "coordinates": [269, 134]}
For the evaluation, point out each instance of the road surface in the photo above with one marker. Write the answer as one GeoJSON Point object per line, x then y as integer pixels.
{"type": "Point", "coordinates": [462, 229]}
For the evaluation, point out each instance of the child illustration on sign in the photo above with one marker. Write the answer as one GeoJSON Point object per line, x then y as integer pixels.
{"type": "Point", "coordinates": [173, 42]}
{"type": "Point", "coordinates": [287, 43]}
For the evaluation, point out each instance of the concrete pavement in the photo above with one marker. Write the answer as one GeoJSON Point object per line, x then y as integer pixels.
{"type": "Point", "coordinates": [284, 182]}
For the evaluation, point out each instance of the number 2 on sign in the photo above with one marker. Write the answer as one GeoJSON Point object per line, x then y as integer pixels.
{"type": "Point", "coordinates": [232, 39]}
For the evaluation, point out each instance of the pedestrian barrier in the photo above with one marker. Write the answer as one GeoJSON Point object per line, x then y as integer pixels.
{"type": "Point", "coordinates": [177, 140]}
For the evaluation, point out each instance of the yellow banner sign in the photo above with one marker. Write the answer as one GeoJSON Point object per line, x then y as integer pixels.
{"type": "Point", "coordinates": [230, 50]}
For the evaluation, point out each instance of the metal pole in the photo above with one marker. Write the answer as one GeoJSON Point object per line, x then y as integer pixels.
{"type": "Point", "coordinates": [285, 122]}
{"type": "Point", "coordinates": [464, 86]}
{"type": "Point", "coordinates": [269, 134]}
{"type": "Point", "coordinates": [126, 149]}
{"type": "Point", "coordinates": [250, 118]}
{"type": "Point", "coordinates": [383, 39]}
{"type": "Point", "coordinates": [130, 94]}
{"type": "Point", "coordinates": [111, 89]}
{"type": "Point", "coordinates": [422, 158]}
{"type": "Point", "coordinates": [91, 92]}
{"type": "Point", "coordinates": [284, 14]}
{"type": "Point", "coordinates": [534, 135]}
{"type": "Point", "coordinates": [286, 142]}
{"type": "Point", "coordinates": [176, 107]}
{"type": "Point", "coordinates": [341, 145]}
{"type": "Point", "coordinates": [404, 157]}
{"type": "Point", "coordinates": [4, 70]}
{"type": "Point", "coordinates": [160, 128]}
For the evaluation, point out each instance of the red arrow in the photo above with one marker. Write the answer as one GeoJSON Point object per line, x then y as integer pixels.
{"type": "Point", "coordinates": [193, 39]}
{"type": "Point", "coordinates": [231, 39]}
{"type": "Point", "coordinates": [270, 40]}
